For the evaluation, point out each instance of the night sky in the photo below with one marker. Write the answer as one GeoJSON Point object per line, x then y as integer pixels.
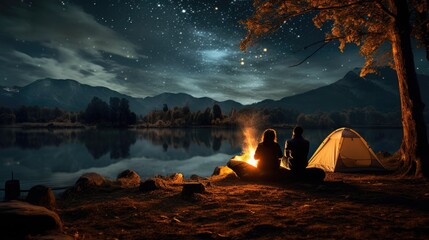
{"type": "Point", "coordinates": [144, 48]}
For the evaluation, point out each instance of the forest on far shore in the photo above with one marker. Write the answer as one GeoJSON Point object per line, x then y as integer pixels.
{"type": "Point", "coordinates": [117, 113]}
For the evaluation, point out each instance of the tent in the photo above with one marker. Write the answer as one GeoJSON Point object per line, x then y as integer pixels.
{"type": "Point", "coordinates": [344, 150]}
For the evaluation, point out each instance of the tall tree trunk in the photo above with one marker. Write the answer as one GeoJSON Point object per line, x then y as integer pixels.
{"type": "Point", "coordinates": [414, 148]}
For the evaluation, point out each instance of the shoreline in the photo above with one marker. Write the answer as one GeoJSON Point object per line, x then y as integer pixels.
{"type": "Point", "coordinates": [59, 126]}
{"type": "Point", "coordinates": [345, 205]}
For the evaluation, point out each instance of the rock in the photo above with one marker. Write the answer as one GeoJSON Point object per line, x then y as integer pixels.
{"type": "Point", "coordinates": [86, 182]}
{"type": "Point", "coordinates": [191, 188]}
{"type": "Point", "coordinates": [128, 178]}
{"type": "Point", "coordinates": [222, 170]}
{"type": "Point", "coordinates": [89, 180]}
{"type": "Point", "coordinates": [19, 219]}
{"type": "Point", "coordinates": [41, 196]}
{"type": "Point", "coordinates": [197, 178]}
{"type": "Point", "coordinates": [176, 178]}
{"type": "Point", "coordinates": [152, 184]}
{"type": "Point", "coordinates": [224, 173]}
{"type": "Point", "coordinates": [244, 170]}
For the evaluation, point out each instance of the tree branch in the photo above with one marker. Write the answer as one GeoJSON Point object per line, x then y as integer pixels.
{"type": "Point", "coordinates": [323, 40]}
{"type": "Point", "coordinates": [341, 6]}
{"type": "Point", "coordinates": [309, 56]}
{"type": "Point", "coordinates": [385, 9]}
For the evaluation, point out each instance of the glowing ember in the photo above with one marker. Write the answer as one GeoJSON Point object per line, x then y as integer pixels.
{"type": "Point", "coordinates": [249, 147]}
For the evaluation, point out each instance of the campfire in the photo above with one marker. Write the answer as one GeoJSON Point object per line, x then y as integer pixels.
{"type": "Point", "coordinates": [249, 147]}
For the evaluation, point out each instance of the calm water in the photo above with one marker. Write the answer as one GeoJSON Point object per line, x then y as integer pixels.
{"type": "Point", "coordinates": [58, 157]}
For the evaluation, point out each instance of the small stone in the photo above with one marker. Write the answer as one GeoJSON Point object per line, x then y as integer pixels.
{"type": "Point", "coordinates": [222, 170]}
{"type": "Point", "coordinates": [129, 178]}
{"type": "Point", "coordinates": [224, 173]}
{"type": "Point", "coordinates": [41, 196]}
{"type": "Point", "coordinates": [191, 188]}
{"type": "Point", "coordinates": [152, 184]}
{"type": "Point", "coordinates": [176, 178]}
{"type": "Point", "coordinates": [197, 178]}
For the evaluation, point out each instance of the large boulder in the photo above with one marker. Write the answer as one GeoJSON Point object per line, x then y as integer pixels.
{"type": "Point", "coordinates": [88, 181]}
{"type": "Point", "coordinates": [42, 196]}
{"type": "Point", "coordinates": [128, 178]}
{"type": "Point", "coordinates": [152, 184]}
{"type": "Point", "coordinates": [19, 219]}
{"type": "Point", "coordinates": [244, 170]}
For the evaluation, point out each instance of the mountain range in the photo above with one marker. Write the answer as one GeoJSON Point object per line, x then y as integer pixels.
{"type": "Point", "coordinates": [71, 95]}
{"type": "Point", "coordinates": [352, 91]}
{"type": "Point", "coordinates": [377, 90]}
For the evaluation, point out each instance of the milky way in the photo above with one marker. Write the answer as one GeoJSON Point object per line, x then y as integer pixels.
{"type": "Point", "coordinates": [144, 48]}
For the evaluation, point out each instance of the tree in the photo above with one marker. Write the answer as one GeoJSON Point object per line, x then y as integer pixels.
{"type": "Point", "coordinates": [114, 110]}
{"type": "Point", "coordinates": [7, 116]}
{"type": "Point", "coordinates": [97, 111]}
{"type": "Point", "coordinates": [369, 24]}
{"type": "Point", "coordinates": [165, 107]}
{"type": "Point", "coordinates": [217, 112]}
{"type": "Point", "coordinates": [125, 115]}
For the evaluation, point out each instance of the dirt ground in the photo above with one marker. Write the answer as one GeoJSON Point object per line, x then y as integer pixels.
{"type": "Point", "coordinates": [345, 206]}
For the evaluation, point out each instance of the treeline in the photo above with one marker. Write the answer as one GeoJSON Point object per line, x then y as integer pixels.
{"type": "Point", "coordinates": [367, 116]}
{"type": "Point", "coordinates": [36, 114]}
{"type": "Point", "coordinates": [183, 117]}
{"type": "Point", "coordinates": [117, 113]}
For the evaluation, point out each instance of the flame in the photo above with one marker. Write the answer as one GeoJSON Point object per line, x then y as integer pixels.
{"type": "Point", "coordinates": [249, 147]}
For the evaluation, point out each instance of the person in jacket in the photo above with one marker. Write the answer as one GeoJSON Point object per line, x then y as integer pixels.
{"type": "Point", "coordinates": [268, 152]}
{"type": "Point", "coordinates": [296, 151]}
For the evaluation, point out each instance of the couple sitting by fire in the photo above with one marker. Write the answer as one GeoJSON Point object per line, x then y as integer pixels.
{"type": "Point", "coordinates": [269, 152]}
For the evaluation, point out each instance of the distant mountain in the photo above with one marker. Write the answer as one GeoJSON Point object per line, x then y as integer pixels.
{"type": "Point", "coordinates": [377, 90]}
{"type": "Point", "coordinates": [71, 95]}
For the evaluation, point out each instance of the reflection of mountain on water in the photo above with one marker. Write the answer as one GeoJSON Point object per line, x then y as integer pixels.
{"type": "Point", "coordinates": [98, 143]}
{"type": "Point", "coordinates": [186, 143]}
{"type": "Point", "coordinates": [30, 139]}
{"type": "Point", "coordinates": [117, 142]}
{"type": "Point", "coordinates": [71, 150]}
{"type": "Point", "coordinates": [209, 139]}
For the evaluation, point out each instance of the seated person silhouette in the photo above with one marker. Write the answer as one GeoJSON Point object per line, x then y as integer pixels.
{"type": "Point", "coordinates": [296, 151]}
{"type": "Point", "coordinates": [268, 153]}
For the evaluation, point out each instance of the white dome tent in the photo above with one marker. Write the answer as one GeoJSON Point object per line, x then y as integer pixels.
{"type": "Point", "coordinates": [344, 150]}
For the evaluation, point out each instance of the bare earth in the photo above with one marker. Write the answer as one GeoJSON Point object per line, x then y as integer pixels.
{"type": "Point", "coordinates": [345, 206]}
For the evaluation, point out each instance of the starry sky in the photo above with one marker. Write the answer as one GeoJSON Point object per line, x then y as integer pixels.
{"type": "Point", "coordinates": [147, 47]}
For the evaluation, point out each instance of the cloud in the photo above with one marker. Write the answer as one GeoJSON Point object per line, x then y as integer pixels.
{"type": "Point", "coordinates": [68, 64]}
{"type": "Point", "coordinates": [75, 46]}
{"type": "Point", "coordinates": [214, 55]}
{"type": "Point", "coordinates": [51, 24]}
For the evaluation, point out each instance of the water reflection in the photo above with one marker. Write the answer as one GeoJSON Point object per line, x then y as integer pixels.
{"type": "Point", "coordinates": [58, 157]}
{"type": "Point", "coordinates": [183, 138]}
{"type": "Point", "coordinates": [115, 142]}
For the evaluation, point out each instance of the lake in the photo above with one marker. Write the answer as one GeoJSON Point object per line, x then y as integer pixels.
{"type": "Point", "coordinates": [58, 157]}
